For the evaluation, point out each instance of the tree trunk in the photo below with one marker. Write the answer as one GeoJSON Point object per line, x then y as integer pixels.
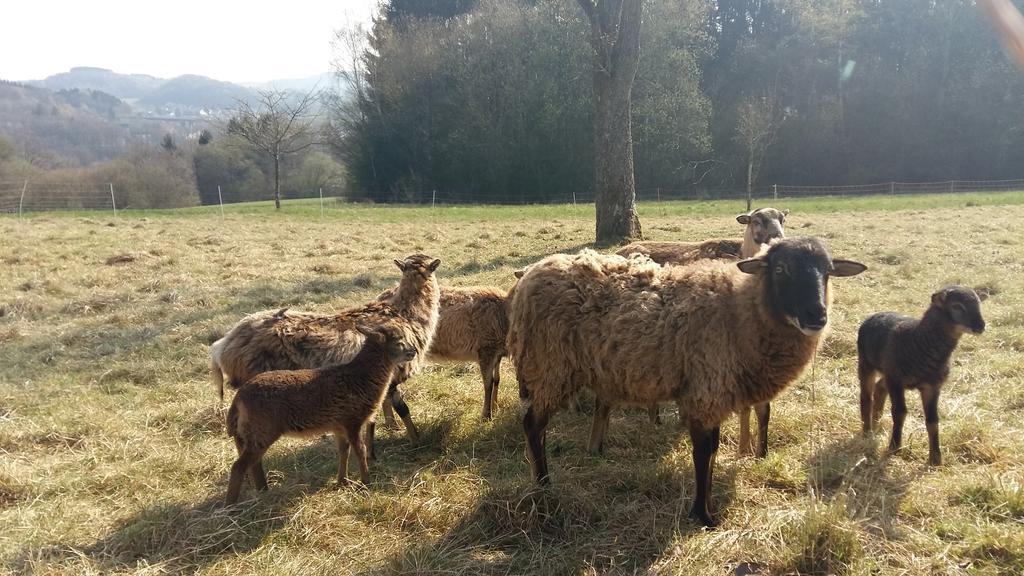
{"type": "Point", "coordinates": [617, 220]}
{"type": "Point", "coordinates": [750, 180]}
{"type": "Point", "coordinates": [615, 39]}
{"type": "Point", "coordinates": [277, 181]}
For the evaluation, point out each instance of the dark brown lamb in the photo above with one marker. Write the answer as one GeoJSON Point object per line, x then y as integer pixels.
{"type": "Point", "coordinates": [910, 353]}
{"type": "Point", "coordinates": [339, 399]}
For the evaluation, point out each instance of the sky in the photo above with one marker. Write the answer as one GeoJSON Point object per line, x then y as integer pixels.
{"type": "Point", "coordinates": [229, 40]}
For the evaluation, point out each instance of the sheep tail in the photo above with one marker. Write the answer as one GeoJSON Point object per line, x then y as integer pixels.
{"type": "Point", "coordinates": [218, 379]}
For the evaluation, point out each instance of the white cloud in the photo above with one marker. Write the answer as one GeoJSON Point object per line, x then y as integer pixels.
{"type": "Point", "coordinates": [228, 40]}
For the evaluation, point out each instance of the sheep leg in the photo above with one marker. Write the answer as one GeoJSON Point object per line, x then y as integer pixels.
{"type": "Point", "coordinates": [495, 381]}
{"type": "Point", "coordinates": [246, 458]}
{"type": "Point", "coordinates": [389, 412]}
{"type": "Point", "coordinates": [899, 413]}
{"type": "Point", "coordinates": [746, 445]}
{"type": "Point", "coordinates": [930, 399]}
{"type": "Point", "coordinates": [763, 411]}
{"type": "Point", "coordinates": [867, 393]}
{"type": "Point", "coordinates": [357, 447]}
{"type": "Point", "coordinates": [535, 424]}
{"type": "Point", "coordinates": [370, 438]}
{"type": "Point", "coordinates": [341, 437]}
{"type": "Point", "coordinates": [598, 428]}
{"type": "Point", "coordinates": [705, 448]}
{"type": "Point", "coordinates": [489, 382]}
{"type": "Point", "coordinates": [259, 476]}
{"type": "Point", "coordinates": [403, 412]}
{"type": "Point", "coordinates": [654, 414]}
{"type": "Point", "coordinates": [878, 401]}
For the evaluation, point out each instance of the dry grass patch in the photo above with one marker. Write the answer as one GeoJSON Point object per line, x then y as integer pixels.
{"type": "Point", "coordinates": [113, 457]}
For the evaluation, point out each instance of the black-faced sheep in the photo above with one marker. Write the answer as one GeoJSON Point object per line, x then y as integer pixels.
{"type": "Point", "coordinates": [713, 336]}
{"type": "Point", "coordinates": [912, 353]}
{"type": "Point", "coordinates": [761, 226]}
{"type": "Point", "coordinates": [471, 327]}
{"type": "Point", "coordinates": [338, 399]}
{"type": "Point", "coordinates": [287, 340]}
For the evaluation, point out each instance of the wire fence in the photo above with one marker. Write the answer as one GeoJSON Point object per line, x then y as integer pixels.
{"type": "Point", "coordinates": [24, 196]}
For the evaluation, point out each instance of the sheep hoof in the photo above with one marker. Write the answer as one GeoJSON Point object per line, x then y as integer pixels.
{"type": "Point", "coordinates": [704, 517]}
{"type": "Point", "coordinates": [935, 460]}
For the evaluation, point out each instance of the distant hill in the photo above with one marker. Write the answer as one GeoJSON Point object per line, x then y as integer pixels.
{"type": "Point", "coordinates": [191, 91]}
{"type": "Point", "coordinates": [323, 81]}
{"type": "Point", "coordinates": [79, 126]}
{"type": "Point", "coordinates": [183, 96]}
{"type": "Point", "coordinates": [102, 80]}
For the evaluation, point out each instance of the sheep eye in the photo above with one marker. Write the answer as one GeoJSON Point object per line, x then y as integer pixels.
{"type": "Point", "coordinates": [958, 307]}
{"type": "Point", "coordinates": [780, 269]}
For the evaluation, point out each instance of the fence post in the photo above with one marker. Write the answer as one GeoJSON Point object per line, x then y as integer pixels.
{"type": "Point", "coordinates": [659, 194]}
{"type": "Point", "coordinates": [220, 200]}
{"type": "Point", "coordinates": [433, 198]}
{"type": "Point", "coordinates": [892, 188]}
{"type": "Point", "coordinates": [950, 186]}
{"type": "Point", "coordinates": [113, 205]}
{"type": "Point", "coordinates": [775, 191]}
{"type": "Point", "coordinates": [21, 202]}
{"type": "Point", "coordinates": [321, 203]}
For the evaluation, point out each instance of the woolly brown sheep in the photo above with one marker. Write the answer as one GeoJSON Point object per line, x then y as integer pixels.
{"type": "Point", "coordinates": [713, 336]}
{"type": "Point", "coordinates": [912, 353]}
{"type": "Point", "coordinates": [471, 327]}
{"type": "Point", "coordinates": [339, 399]}
{"type": "Point", "coordinates": [761, 226]}
{"type": "Point", "coordinates": [286, 340]}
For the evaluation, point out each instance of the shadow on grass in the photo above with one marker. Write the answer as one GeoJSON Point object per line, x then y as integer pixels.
{"type": "Point", "coordinates": [516, 263]}
{"type": "Point", "coordinates": [184, 536]}
{"type": "Point", "coordinates": [862, 470]}
{"type": "Point", "coordinates": [618, 512]}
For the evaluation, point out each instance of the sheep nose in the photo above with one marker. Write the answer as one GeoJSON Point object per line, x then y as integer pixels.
{"type": "Point", "coordinates": [980, 327]}
{"type": "Point", "coordinates": [815, 319]}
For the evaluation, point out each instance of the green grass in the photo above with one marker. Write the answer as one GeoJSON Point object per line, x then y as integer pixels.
{"type": "Point", "coordinates": [113, 459]}
{"type": "Point", "coordinates": [384, 213]}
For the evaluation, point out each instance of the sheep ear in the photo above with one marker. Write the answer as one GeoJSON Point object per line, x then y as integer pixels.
{"type": "Point", "coordinates": [400, 264]}
{"type": "Point", "coordinates": [433, 265]}
{"type": "Point", "coordinates": [843, 268]}
{"type": "Point", "coordinates": [785, 212]}
{"type": "Point", "coordinates": [519, 273]}
{"type": "Point", "coordinates": [743, 219]}
{"type": "Point", "coordinates": [982, 295]}
{"type": "Point", "coordinates": [939, 298]}
{"type": "Point", "coordinates": [752, 265]}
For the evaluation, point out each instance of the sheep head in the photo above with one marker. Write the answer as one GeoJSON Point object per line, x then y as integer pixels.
{"type": "Point", "coordinates": [764, 224]}
{"type": "Point", "coordinates": [962, 306]}
{"type": "Point", "coordinates": [796, 273]}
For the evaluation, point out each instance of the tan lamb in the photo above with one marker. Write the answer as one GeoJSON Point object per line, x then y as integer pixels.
{"type": "Point", "coordinates": [471, 327]}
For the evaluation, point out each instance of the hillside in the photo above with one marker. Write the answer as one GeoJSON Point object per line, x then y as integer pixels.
{"type": "Point", "coordinates": [102, 80]}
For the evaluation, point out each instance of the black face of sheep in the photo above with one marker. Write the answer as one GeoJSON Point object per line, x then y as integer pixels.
{"type": "Point", "coordinates": [797, 271]}
{"type": "Point", "coordinates": [963, 307]}
{"type": "Point", "coordinates": [418, 264]}
{"type": "Point", "coordinates": [765, 224]}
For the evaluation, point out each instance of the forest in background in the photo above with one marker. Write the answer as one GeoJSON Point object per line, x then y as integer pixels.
{"type": "Point", "coordinates": [491, 100]}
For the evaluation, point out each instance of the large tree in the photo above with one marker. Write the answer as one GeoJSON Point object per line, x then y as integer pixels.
{"type": "Point", "coordinates": [279, 125]}
{"type": "Point", "coordinates": [615, 41]}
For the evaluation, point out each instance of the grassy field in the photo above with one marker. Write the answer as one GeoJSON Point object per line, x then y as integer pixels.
{"type": "Point", "coordinates": [113, 458]}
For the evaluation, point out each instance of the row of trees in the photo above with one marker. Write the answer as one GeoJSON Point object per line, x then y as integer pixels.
{"type": "Point", "coordinates": [497, 98]}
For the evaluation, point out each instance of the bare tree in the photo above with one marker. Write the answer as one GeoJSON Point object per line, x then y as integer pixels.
{"type": "Point", "coordinates": [278, 126]}
{"type": "Point", "coordinates": [757, 123]}
{"type": "Point", "coordinates": [615, 40]}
